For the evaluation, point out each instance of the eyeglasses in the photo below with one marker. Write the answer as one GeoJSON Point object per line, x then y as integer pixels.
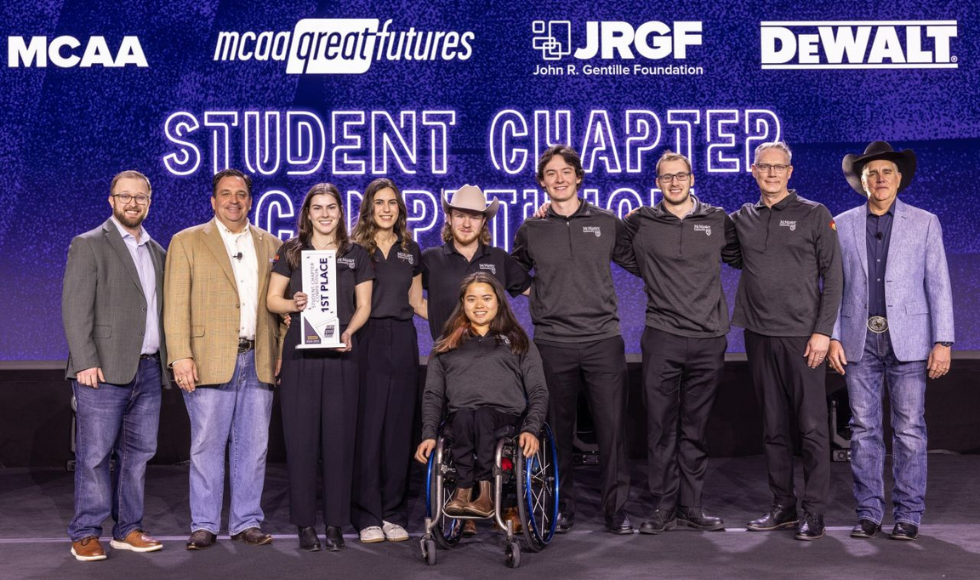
{"type": "Point", "coordinates": [779, 168]}
{"type": "Point", "coordinates": [668, 177]}
{"type": "Point", "coordinates": [128, 197]}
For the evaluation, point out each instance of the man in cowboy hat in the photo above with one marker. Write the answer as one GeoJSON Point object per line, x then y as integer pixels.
{"type": "Point", "coordinates": [467, 250]}
{"type": "Point", "coordinates": [894, 328]}
{"type": "Point", "coordinates": [576, 326]}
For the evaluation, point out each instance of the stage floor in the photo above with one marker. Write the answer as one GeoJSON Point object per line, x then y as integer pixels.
{"type": "Point", "coordinates": [36, 505]}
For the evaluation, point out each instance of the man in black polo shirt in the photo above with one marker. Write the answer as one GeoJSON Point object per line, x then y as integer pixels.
{"type": "Point", "coordinates": [678, 244]}
{"type": "Point", "coordinates": [787, 301]}
{"type": "Point", "coordinates": [467, 250]}
{"type": "Point", "coordinates": [576, 326]}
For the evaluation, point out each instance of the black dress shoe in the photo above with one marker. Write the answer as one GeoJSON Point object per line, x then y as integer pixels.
{"type": "Point", "coordinates": [694, 517]}
{"type": "Point", "coordinates": [779, 517]}
{"type": "Point", "coordinates": [811, 527]}
{"type": "Point", "coordinates": [308, 540]}
{"type": "Point", "coordinates": [253, 537]}
{"type": "Point", "coordinates": [905, 532]}
{"type": "Point", "coordinates": [334, 539]}
{"type": "Point", "coordinates": [619, 524]}
{"type": "Point", "coordinates": [565, 522]}
{"type": "Point", "coordinates": [659, 522]}
{"type": "Point", "coordinates": [200, 539]}
{"type": "Point", "coordinates": [865, 529]}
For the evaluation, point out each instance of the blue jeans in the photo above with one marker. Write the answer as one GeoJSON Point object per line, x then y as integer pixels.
{"type": "Point", "coordinates": [120, 420]}
{"type": "Point", "coordinates": [906, 383]}
{"type": "Point", "coordinates": [233, 416]}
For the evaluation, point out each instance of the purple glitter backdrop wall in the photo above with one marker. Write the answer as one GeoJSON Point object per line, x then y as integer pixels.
{"type": "Point", "coordinates": [473, 110]}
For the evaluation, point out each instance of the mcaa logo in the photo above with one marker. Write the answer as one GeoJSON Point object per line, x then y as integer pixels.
{"type": "Point", "coordinates": [342, 45]}
{"type": "Point", "coordinates": [858, 44]}
{"type": "Point", "coordinates": [62, 52]}
{"type": "Point", "coordinates": [614, 39]}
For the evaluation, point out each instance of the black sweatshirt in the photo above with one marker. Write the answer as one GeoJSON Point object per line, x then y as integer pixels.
{"type": "Point", "coordinates": [573, 298]}
{"type": "Point", "coordinates": [483, 372]}
{"type": "Point", "coordinates": [679, 262]}
{"type": "Point", "coordinates": [787, 250]}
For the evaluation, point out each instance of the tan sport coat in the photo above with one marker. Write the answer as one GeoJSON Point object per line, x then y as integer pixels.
{"type": "Point", "coordinates": [201, 314]}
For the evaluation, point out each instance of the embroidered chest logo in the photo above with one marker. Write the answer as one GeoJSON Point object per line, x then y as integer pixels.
{"type": "Point", "coordinates": [349, 262]}
{"type": "Point", "coordinates": [703, 228]}
{"type": "Point", "coordinates": [592, 230]}
{"type": "Point", "coordinates": [489, 267]}
{"type": "Point", "coordinates": [791, 224]}
{"type": "Point", "coordinates": [406, 257]}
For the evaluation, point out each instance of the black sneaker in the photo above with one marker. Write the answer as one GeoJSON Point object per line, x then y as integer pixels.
{"type": "Point", "coordinates": [565, 523]}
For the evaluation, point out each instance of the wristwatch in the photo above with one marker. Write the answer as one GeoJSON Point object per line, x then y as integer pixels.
{"type": "Point", "coordinates": [946, 344]}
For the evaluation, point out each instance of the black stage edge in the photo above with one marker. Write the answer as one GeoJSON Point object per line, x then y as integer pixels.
{"type": "Point", "coordinates": [35, 414]}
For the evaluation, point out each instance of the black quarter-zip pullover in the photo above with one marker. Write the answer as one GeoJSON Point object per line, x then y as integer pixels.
{"type": "Point", "coordinates": [573, 298]}
{"type": "Point", "coordinates": [792, 276]}
{"type": "Point", "coordinates": [680, 262]}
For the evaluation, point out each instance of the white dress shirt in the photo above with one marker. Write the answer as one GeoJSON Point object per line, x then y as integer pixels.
{"type": "Point", "coordinates": [241, 252]}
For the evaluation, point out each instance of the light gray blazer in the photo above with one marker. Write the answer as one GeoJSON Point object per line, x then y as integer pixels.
{"type": "Point", "coordinates": [103, 307]}
{"type": "Point", "coordinates": [919, 300]}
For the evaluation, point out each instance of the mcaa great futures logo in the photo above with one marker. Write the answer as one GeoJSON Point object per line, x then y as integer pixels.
{"type": "Point", "coordinates": [342, 45]}
{"type": "Point", "coordinates": [858, 44]}
{"type": "Point", "coordinates": [617, 40]}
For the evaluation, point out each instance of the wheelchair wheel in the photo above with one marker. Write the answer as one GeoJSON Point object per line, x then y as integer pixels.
{"type": "Point", "coordinates": [513, 554]}
{"type": "Point", "coordinates": [447, 531]}
{"type": "Point", "coordinates": [428, 548]}
{"type": "Point", "coordinates": [537, 487]}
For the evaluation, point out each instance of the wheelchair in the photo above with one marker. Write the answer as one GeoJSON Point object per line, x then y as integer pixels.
{"type": "Point", "coordinates": [534, 481]}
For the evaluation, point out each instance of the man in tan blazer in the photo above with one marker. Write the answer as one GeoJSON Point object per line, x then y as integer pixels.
{"type": "Point", "coordinates": [222, 346]}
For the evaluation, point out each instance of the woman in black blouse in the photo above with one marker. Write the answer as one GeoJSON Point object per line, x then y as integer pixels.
{"type": "Point", "coordinates": [389, 367]}
{"type": "Point", "coordinates": [320, 386]}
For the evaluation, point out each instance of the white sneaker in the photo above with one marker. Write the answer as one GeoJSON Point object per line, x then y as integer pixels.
{"type": "Point", "coordinates": [372, 535]}
{"type": "Point", "coordinates": [394, 532]}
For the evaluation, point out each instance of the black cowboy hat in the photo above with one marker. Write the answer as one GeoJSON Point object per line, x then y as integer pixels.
{"type": "Point", "coordinates": [853, 164]}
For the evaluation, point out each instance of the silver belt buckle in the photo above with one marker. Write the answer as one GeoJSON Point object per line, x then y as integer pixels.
{"type": "Point", "coordinates": [877, 324]}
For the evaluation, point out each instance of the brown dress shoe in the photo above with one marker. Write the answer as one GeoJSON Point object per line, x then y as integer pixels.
{"type": "Point", "coordinates": [511, 515]}
{"type": "Point", "coordinates": [136, 541]}
{"type": "Point", "coordinates": [253, 537]}
{"type": "Point", "coordinates": [483, 506]}
{"type": "Point", "coordinates": [200, 539]}
{"type": "Point", "coordinates": [460, 502]}
{"type": "Point", "coordinates": [469, 528]}
{"type": "Point", "coordinates": [88, 550]}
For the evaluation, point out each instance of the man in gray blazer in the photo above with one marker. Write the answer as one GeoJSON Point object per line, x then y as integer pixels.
{"type": "Point", "coordinates": [112, 305]}
{"type": "Point", "coordinates": [895, 327]}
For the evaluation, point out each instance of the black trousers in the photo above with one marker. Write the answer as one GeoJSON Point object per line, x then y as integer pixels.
{"type": "Point", "coordinates": [791, 392]}
{"type": "Point", "coordinates": [680, 378]}
{"type": "Point", "coordinates": [319, 412]}
{"type": "Point", "coordinates": [600, 369]}
{"type": "Point", "coordinates": [389, 370]}
{"type": "Point", "coordinates": [474, 444]}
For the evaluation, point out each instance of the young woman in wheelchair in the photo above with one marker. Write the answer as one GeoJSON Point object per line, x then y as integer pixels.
{"type": "Point", "coordinates": [489, 375]}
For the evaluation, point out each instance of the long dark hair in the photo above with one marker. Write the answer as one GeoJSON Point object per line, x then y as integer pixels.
{"type": "Point", "coordinates": [292, 248]}
{"type": "Point", "coordinates": [504, 325]}
{"type": "Point", "coordinates": [366, 228]}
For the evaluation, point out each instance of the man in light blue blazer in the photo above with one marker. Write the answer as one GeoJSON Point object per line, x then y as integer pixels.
{"type": "Point", "coordinates": [895, 327]}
